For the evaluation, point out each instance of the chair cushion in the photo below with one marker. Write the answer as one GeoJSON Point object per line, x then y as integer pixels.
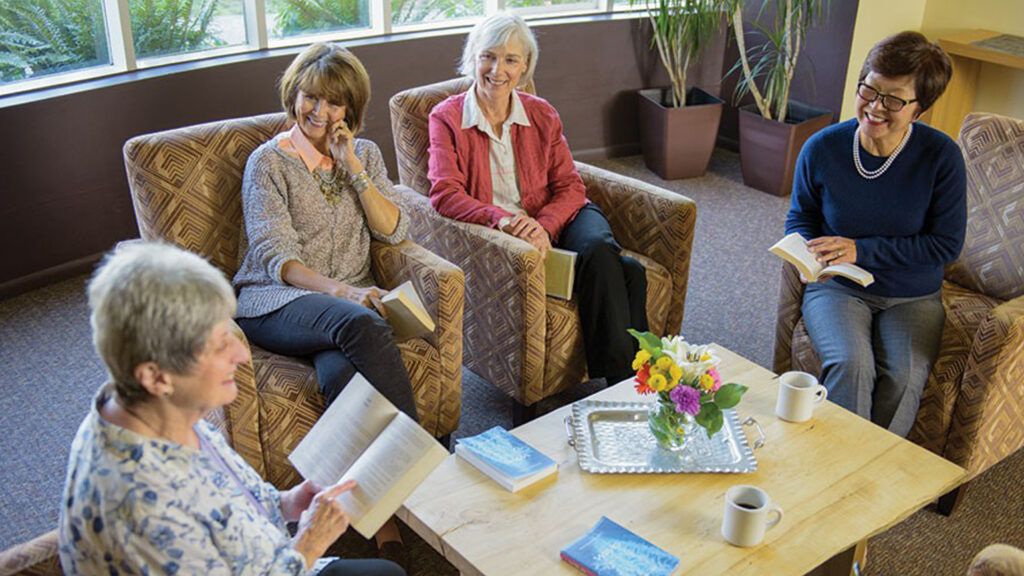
{"type": "Point", "coordinates": [992, 260]}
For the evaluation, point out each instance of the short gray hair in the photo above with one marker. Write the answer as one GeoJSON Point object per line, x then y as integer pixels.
{"type": "Point", "coordinates": [496, 30]}
{"type": "Point", "coordinates": [157, 303]}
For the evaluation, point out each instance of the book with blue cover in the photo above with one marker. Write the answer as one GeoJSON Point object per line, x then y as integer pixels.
{"type": "Point", "coordinates": [506, 459]}
{"type": "Point", "coordinates": [611, 550]}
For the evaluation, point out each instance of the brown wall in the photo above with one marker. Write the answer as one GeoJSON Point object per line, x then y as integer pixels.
{"type": "Point", "coordinates": [64, 196]}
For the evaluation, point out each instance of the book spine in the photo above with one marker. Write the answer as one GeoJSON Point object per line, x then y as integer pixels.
{"type": "Point", "coordinates": [575, 564]}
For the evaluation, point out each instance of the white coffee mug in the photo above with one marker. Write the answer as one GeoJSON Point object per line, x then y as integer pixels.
{"type": "Point", "coordinates": [799, 393]}
{"type": "Point", "coordinates": [746, 515]}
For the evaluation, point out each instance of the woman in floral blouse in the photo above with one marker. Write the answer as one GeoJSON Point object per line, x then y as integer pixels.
{"type": "Point", "coordinates": [151, 487]}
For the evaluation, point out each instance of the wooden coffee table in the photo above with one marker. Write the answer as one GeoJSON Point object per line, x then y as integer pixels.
{"type": "Point", "coordinates": [839, 478]}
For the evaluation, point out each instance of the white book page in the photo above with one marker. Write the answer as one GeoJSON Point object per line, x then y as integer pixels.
{"type": "Point", "coordinates": [409, 291]}
{"type": "Point", "coordinates": [793, 248]}
{"type": "Point", "coordinates": [357, 416]}
{"type": "Point", "coordinates": [851, 271]}
{"type": "Point", "coordinates": [388, 471]}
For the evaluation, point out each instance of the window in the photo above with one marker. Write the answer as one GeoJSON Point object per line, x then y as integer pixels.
{"type": "Point", "coordinates": [287, 18]}
{"type": "Point", "coordinates": [166, 27]}
{"type": "Point", "coordinates": [406, 12]}
{"type": "Point", "coordinates": [49, 42]}
{"type": "Point", "coordinates": [44, 37]}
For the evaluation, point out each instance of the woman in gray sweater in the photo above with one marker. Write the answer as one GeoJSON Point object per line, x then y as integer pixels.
{"type": "Point", "coordinates": [313, 197]}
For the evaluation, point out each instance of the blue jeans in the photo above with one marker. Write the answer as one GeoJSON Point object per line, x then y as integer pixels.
{"type": "Point", "coordinates": [876, 352]}
{"type": "Point", "coordinates": [341, 338]}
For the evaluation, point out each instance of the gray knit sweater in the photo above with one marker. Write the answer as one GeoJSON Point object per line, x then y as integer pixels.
{"type": "Point", "coordinates": [287, 218]}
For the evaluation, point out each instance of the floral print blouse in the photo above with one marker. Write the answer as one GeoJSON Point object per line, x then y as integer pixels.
{"type": "Point", "coordinates": [138, 505]}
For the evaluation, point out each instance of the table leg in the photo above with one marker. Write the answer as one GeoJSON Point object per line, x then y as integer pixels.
{"type": "Point", "coordinates": [842, 564]}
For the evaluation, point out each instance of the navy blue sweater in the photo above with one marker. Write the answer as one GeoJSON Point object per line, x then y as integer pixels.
{"type": "Point", "coordinates": [908, 223]}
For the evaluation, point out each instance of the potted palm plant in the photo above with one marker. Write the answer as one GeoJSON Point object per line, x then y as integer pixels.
{"type": "Point", "coordinates": [773, 128]}
{"type": "Point", "coordinates": [678, 126]}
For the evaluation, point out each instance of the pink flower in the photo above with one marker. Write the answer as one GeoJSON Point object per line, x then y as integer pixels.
{"type": "Point", "coordinates": [687, 399]}
{"type": "Point", "coordinates": [713, 372]}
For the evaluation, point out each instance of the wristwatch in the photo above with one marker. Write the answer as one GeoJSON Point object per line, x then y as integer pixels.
{"type": "Point", "coordinates": [505, 221]}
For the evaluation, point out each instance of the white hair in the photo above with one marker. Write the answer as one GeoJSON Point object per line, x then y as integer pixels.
{"type": "Point", "coordinates": [497, 30]}
{"type": "Point", "coordinates": [157, 303]}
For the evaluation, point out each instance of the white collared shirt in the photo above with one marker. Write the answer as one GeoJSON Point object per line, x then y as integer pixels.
{"type": "Point", "coordinates": [504, 182]}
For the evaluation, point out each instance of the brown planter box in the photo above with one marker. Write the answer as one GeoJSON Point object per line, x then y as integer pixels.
{"type": "Point", "coordinates": [768, 149]}
{"type": "Point", "coordinates": [677, 142]}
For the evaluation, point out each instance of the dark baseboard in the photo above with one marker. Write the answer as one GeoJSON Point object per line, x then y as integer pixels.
{"type": "Point", "coordinates": [49, 276]}
{"type": "Point", "coordinates": [606, 152]}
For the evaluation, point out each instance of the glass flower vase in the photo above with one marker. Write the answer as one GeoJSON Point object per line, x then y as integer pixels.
{"type": "Point", "coordinates": [673, 430]}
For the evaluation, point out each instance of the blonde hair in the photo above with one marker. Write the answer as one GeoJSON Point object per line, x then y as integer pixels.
{"type": "Point", "coordinates": [328, 71]}
{"type": "Point", "coordinates": [154, 302]}
{"type": "Point", "coordinates": [497, 30]}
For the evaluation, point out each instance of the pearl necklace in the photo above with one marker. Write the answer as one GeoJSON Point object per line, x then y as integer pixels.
{"type": "Point", "coordinates": [872, 174]}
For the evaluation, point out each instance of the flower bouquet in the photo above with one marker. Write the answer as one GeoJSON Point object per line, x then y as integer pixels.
{"type": "Point", "coordinates": [690, 390]}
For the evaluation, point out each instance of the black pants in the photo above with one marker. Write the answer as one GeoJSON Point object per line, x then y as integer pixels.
{"type": "Point", "coordinates": [341, 338]}
{"type": "Point", "coordinates": [611, 292]}
{"type": "Point", "coordinates": [365, 567]}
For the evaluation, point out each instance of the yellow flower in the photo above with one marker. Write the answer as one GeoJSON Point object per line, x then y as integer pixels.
{"type": "Point", "coordinates": [657, 382]}
{"type": "Point", "coordinates": [641, 358]}
{"type": "Point", "coordinates": [705, 357]}
{"type": "Point", "coordinates": [664, 363]}
{"type": "Point", "coordinates": [707, 382]}
{"type": "Point", "coordinates": [676, 373]}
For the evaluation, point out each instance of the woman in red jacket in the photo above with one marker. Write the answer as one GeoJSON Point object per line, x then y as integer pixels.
{"type": "Point", "coordinates": [498, 158]}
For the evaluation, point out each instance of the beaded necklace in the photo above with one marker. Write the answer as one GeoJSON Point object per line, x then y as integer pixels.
{"type": "Point", "coordinates": [328, 182]}
{"type": "Point", "coordinates": [872, 174]}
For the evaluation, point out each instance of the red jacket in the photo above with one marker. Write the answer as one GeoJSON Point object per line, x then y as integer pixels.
{"type": "Point", "coordinates": [550, 189]}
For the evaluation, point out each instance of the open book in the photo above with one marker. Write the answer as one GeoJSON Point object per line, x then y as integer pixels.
{"type": "Point", "coordinates": [406, 313]}
{"type": "Point", "coordinates": [508, 460]}
{"type": "Point", "coordinates": [793, 249]}
{"type": "Point", "coordinates": [362, 436]}
{"type": "Point", "coordinates": [559, 273]}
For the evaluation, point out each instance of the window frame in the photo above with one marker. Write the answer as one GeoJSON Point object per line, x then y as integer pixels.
{"type": "Point", "coordinates": [123, 61]}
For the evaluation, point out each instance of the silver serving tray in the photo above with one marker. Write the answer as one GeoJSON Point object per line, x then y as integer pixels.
{"type": "Point", "coordinates": [613, 438]}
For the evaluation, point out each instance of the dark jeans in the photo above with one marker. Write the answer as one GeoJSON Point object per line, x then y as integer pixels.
{"type": "Point", "coordinates": [611, 292]}
{"type": "Point", "coordinates": [341, 338]}
{"type": "Point", "coordinates": [362, 567]}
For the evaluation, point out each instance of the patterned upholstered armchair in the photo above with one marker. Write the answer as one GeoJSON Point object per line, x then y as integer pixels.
{"type": "Point", "coordinates": [186, 188]}
{"type": "Point", "coordinates": [527, 344]}
{"type": "Point", "coordinates": [973, 404]}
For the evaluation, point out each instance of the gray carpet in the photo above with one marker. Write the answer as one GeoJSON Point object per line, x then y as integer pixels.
{"type": "Point", "coordinates": [51, 372]}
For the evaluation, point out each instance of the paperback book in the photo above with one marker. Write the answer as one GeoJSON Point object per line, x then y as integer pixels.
{"type": "Point", "coordinates": [611, 550]}
{"type": "Point", "coordinates": [560, 273]}
{"type": "Point", "coordinates": [506, 459]}
{"type": "Point", "coordinates": [793, 249]}
{"type": "Point", "coordinates": [363, 437]}
{"type": "Point", "coordinates": [406, 313]}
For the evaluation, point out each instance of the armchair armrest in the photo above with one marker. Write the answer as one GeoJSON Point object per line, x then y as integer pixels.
{"type": "Point", "coordinates": [791, 297]}
{"type": "Point", "coordinates": [242, 415]}
{"type": "Point", "coordinates": [35, 557]}
{"type": "Point", "coordinates": [991, 396]}
{"type": "Point", "coordinates": [651, 221]}
{"type": "Point", "coordinates": [504, 281]}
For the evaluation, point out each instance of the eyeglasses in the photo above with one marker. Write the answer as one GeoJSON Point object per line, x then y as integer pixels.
{"type": "Point", "coordinates": [889, 102]}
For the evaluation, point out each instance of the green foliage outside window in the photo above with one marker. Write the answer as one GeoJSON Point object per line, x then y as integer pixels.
{"type": "Point", "coordinates": [43, 36]}
{"type": "Point", "coordinates": [46, 36]}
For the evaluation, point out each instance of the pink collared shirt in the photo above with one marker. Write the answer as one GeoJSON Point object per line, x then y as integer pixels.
{"type": "Point", "coordinates": [295, 143]}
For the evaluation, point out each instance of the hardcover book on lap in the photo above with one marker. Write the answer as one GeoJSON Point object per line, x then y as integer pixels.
{"type": "Point", "coordinates": [362, 436]}
{"type": "Point", "coordinates": [611, 550]}
{"type": "Point", "coordinates": [506, 459]}
{"type": "Point", "coordinates": [793, 249]}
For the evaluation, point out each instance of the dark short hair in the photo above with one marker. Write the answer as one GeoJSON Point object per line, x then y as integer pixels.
{"type": "Point", "coordinates": [328, 71]}
{"type": "Point", "coordinates": [911, 54]}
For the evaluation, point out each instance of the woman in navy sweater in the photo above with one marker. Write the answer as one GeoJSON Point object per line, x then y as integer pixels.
{"type": "Point", "coordinates": [887, 194]}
